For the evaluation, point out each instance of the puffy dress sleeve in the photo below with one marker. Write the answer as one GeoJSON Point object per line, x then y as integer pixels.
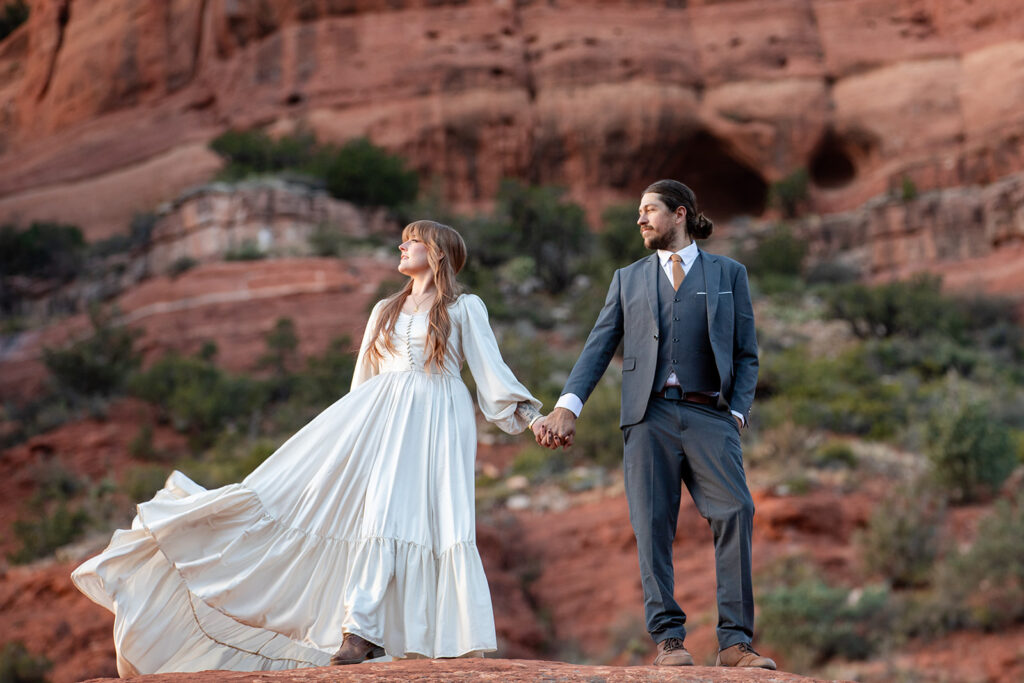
{"type": "Point", "coordinates": [365, 367]}
{"type": "Point", "coordinates": [498, 392]}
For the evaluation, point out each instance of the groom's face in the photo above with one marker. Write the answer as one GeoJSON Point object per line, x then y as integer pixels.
{"type": "Point", "coordinates": [661, 228]}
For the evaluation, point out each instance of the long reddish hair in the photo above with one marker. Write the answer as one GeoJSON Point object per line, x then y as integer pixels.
{"type": "Point", "coordinates": [446, 254]}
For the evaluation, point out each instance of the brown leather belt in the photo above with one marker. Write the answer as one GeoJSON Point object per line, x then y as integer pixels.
{"type": "Point", "coordinates": [677, 394]}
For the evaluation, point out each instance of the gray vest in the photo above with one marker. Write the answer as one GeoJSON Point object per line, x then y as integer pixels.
{"type": "Point", "coordinates": [683, 342]}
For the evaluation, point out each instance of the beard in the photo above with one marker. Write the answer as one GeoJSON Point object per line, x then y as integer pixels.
{"type": "Point", "coordinates": [664, 241]}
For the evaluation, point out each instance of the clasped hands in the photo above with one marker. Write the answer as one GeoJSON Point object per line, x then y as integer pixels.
{"type": "Point", "coordinates": [556, 429]}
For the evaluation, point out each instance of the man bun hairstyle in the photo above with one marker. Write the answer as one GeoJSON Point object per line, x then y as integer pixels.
{"type": "Point", "coordinates": [675, 194]}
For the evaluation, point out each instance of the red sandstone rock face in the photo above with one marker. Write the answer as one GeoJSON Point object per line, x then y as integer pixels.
{"type": "Point", "coordinates": [972, 236]}
{"type": "Point", "coordinates": [601, 97]}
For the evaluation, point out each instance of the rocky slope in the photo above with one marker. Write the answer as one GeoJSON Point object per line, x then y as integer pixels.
{"type": "Point", "coordinates": [972, 236]}
{"type": "Point", "coordinates": [233, 304]}
{"type": "Point", "coordinates": [107, 106]}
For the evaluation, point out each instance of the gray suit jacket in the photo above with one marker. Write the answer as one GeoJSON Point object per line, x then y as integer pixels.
{"type": "Point", "coordinates": [630, 315]}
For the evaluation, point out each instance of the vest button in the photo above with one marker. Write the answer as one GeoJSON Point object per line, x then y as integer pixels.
{"type": "Point", "coordinates": [675, 340]}
{"type": "Point", "coordinates": [655, 337]}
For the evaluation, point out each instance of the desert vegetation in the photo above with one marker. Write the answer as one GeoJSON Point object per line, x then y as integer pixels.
{"type": "Point", "coordinates": [357, 171]}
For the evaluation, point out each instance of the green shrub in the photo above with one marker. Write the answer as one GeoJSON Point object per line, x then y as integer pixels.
{"type": "Point", "coordinates": [982, 586]}
{"type": "Point", "coordinates": [842, 394]}
{"type": "Point", "coordinates": [971, 453]}
{"type": "Point", "coordinates": [365, 174]}
{"type": "Point", "coordinates": [908, 189]}
{"type": "Point", "coordinates": [253, 152]}
{"type": "Point", "coordinates": [141, 445]}
{"type": "Point", "coordinates": [14, 14]}
{"type": "Point", "coordinates": [994, 566]}
{"type": "Point", "coordinates": [901, 540]}
{"type": "Point", "coordinates": [230, 461]}
{"type": "Point", "coordinates": [917, 308]}
{"type": "Point", "coordinates": [280, 358]}
{"type": "Point", "coordinates": [813, 622]}
{"type": "Point", "coordinates": [50, 519]}
{"type": "Point", "coordinates": [534, 221]}
{"type": "Point", "coordinates": [598, 436]}
{"type": "Point", "coordinates": [198, 397]}
{"type": "Point", "coordinates": [327, 240]}
{"type": "Point", "coordinates": [47, 529]}
{"type": "Point", "coordinates": [18, 665]}
{"type": "Point", "coordinates": [835, 454]}
{"type": "Point", "coordinates": [832, 273]}
{"type": "Point", "coordinates": [98, 365]}
{"type": "Point", "coordinates": [327, 376]}
{"type": "Point", "coordinates": [358, 171]}
{"type": "Point", "coordinates": [55, 482]}
{"type": "Point", "coordinates": [44, 250]}
{"type": "Point", "coordinates": [778, 253]}
{"type": "Point", "coordinates": [537, 463]}
{"type": "Point", "coordinates": [930, 357]}
{"type": "Point", "coordinates": [181, 265]}
{"type": "Point", "coordinates": [910, 308]}
{"type": "Point", "coordinates": [141, 483]}
{"type": "Point", "coordinates": [138, 235]}
{"type": "Point", "coordinates": [790, 193]}
{"type": "Point", "coordinates": [619, 242]}
{"type": "Point", "coordinates": [246, 251]}
{"type": "Point", "coordinates": [141, 227]}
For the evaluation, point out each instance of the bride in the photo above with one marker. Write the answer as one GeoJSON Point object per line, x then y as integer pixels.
{"type": "Point", "coordinates": [358, 531]}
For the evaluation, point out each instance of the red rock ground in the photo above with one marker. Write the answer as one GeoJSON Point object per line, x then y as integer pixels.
{"type": "Point", "coordinates": [498, 670]}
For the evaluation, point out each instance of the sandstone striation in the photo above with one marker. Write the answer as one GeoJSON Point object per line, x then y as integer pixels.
{"type": "Point", "coordinates": [602, 97]}
{"type": "Point", "coordinates": [972, 236]}
{"type": "Point", "coordinates": [274, 218]}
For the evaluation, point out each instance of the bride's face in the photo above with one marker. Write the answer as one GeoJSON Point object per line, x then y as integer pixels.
{"type": "Point", "coordinates": [414, 257]}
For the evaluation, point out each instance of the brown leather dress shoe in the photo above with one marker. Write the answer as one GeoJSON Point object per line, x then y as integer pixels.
{"type": "Point", "coordinates": [672, 653]}
{"type": "Point", "coordinates": [354, 650]}
{"type": "Point", "coordinates": [743, 655]}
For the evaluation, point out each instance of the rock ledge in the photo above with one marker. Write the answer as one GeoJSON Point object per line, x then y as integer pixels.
{"type": "Point", "coordinates": [482, 670]}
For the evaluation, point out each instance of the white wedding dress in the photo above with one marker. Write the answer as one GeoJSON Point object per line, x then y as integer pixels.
{"type": "Point", "coordinates": [362, 522]}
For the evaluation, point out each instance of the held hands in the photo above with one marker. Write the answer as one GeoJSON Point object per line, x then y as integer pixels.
{"type": "Point", "coordinates": [556, 429]}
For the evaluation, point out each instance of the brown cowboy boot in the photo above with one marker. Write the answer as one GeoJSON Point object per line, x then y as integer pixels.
{"type": "Point", "coordinates": [354, 650]}
{"type": "Point", "coordinates": [672, 653]}
{"type": "Point", "coordinates": [743, 655]}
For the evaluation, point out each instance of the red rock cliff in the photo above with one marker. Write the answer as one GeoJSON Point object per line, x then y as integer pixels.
{"type": "Point", "coordinates": [107, 106]}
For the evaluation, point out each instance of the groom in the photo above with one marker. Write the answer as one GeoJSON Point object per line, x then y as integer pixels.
{"type": "Point", "coordinates": [689, 369]}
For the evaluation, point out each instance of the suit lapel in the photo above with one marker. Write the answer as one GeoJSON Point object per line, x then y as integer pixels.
{"type": "Point", "coordinates": [651, 274]}
{"type": "Point", "coordinates": [712, 278]}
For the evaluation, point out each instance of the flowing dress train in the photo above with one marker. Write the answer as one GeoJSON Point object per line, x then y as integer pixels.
{"type": "Point", "coordinates": [362, 522]}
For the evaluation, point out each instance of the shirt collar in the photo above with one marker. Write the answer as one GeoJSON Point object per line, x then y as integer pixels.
{"type": "Point", "coordinates": [688, 254]}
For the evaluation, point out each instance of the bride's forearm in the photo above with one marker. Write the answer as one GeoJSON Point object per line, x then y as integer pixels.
{"type": "Point", "coordinates": [526, 412]}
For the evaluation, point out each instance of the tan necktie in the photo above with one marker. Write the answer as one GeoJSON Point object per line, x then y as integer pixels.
{"type": "Point", "coordinates": [677, 271]}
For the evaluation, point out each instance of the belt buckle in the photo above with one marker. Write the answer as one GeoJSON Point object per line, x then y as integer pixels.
{"type": "Point", "coordinates": [674, 393]}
